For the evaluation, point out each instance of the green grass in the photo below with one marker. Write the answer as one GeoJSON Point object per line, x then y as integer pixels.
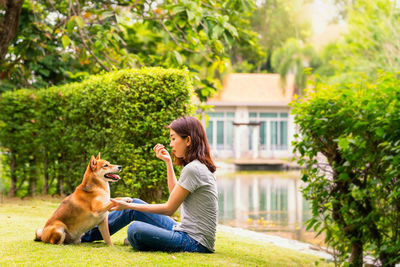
{"type": "Point", "coordinates": [20, 218]}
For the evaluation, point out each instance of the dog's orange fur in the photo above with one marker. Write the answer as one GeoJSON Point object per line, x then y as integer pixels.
{"type": "Point", "coordinates": [85, 208]}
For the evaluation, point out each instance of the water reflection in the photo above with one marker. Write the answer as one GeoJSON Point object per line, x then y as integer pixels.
{"type": "Point", "coordinates": [268, 202]}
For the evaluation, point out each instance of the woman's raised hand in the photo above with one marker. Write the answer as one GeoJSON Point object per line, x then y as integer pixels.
{"type": "Point", "coordinates": [161, 152]}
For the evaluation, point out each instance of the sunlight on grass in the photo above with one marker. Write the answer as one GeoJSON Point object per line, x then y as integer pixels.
{"type": "Point", "coordinates": [20, 218]}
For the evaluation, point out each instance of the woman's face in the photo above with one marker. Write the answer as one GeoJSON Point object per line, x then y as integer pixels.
{"type": "Point", "coordinates": [178, 144]}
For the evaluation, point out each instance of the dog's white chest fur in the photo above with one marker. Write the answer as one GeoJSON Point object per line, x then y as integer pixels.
{"type": "Point", "coordinates": [91, 221]}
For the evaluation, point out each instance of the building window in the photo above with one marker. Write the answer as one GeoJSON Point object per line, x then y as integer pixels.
{"type": "Point", "coordinates": [263, 133]}
{"type": "Point", "coordinates": [220, 130]}
{"type": "Point", "coordinates": [209, 132]}
{"type": "Point", "coordinates": [273, 134]}
{"type": "Point", "coordinates": [283, 134]}
{"type": "Point", "coordinates": [220, 134]}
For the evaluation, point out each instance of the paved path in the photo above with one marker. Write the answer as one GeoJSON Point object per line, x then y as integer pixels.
{"type": "Point", "coordinates": [275, 240]}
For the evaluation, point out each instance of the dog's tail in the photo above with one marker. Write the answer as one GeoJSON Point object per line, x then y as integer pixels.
{"type": "Point", "coordinates": [38, 235]}
{"type": "Point", "coordinates": [57, 237]}
{"type": "Point", "coordinates": [54, 234]}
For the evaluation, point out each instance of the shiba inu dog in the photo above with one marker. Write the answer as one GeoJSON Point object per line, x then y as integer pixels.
{"type": "Point", "coordinates": [85, 208]}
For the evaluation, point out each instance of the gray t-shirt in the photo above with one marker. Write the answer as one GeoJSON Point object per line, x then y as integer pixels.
{"type": "Point", "coordinates": [200, 208]}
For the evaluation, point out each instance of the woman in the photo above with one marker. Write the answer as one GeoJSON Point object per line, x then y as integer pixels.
{"type": "Point", "coordinates": [196, 190]}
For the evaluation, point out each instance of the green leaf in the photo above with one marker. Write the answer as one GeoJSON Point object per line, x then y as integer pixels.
{"type": "Point", "coordinates": [45, 72]}
{"type": "Point", "coordinates": [178, 57]}
{"type": "Point", "coordinates": [181, 23]}
{"type": "Point", "coordinates": [178, 9]}
{"type": "Point", "coordinates": [380, 132]}
{"type": "Point", "coordinates": [232, 30]}
{"type": "Point", "coordinates": [217, 31]}
{"type": "Point", "coordinates": [79, 21]}
{"type": "Point", "coordinates": [343, 143]}
{"type": "Point", "coordinates": [191, 15]}
{"type": "Point", "coordinates": [107, 14]}
{"type": "Point", "coordinates": [65, 40]}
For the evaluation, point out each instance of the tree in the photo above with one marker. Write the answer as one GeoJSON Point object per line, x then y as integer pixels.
{"type": "Point", "coordinates": [64, 41]}
{"type": "Point", "coordinates": [343, 7]}
{"type": "Point", "coordinates": [350, 147]}
{"type": "Point", "coordinates": [372, 43]}
{"type": "Point", "coordinates": [275, 21]}
{"type": "Point", "coordinates": [8, 24]}
{"type": "Point", "coordinates": [294, 57]}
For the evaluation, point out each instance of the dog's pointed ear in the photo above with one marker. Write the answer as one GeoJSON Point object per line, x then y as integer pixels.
{"type": "Point", "coordinates": [98, 156]}
{"type": "Point", "coordinates": [93, 163]}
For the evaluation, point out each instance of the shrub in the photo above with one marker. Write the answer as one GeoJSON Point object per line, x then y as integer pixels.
{"type": "Point", "coordinates": [355, 186]}
{"type": "Point", "coordinates": [50, 134]}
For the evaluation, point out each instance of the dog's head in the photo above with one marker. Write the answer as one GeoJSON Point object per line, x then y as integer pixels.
{"type": "Point", "coordinates": [102, 169]}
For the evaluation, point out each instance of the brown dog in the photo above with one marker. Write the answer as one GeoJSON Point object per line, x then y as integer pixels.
{"type": "Point", "coordinates": [85, 208]}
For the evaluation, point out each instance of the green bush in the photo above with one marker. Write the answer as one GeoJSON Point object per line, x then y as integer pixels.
{"type": "Point", "coordinates": [350, 145]}
{"type": "Point", "coordinates": [50, 134]}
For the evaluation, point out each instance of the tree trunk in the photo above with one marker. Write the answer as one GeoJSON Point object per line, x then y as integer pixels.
{"type": "Point", "coordinates": [32, 186]}
{"type": "Point", "coordinates": [45, 189]}
{"type": "Point", "coordinates": [61, 185]}
{"type": "Point", "coordinates": [32, 177]}
{"type": "Point", "coordinates": [13, 189]}
{"type": "Point", "coordinates": [356, 258]}
{"type": "Point", "coordinates": [61, 175]}
{"type": "Point", "coordinates": [9, 24]}
{"type": "Point", "coordinates": [386, 259]}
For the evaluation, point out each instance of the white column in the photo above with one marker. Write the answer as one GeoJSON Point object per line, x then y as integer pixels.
{"type": "Point", "coordinates": [237, 137]}
{"type": "Point", "coordinates": [241, 116]}
{"type": "Point", "coordinates": [255, 141]}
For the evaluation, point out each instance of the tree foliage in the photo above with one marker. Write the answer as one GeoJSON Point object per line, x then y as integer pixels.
{"type": "Point", "coordinates": [350, 147]}
{"type": "Point", "coordinates": [372, 43]}
{"type": "Point", "coordinates": [275, 21]}
{"type": "Point", "coordinates": [62, 41]}
{"type": "Point", "coordinates": [295, 57]}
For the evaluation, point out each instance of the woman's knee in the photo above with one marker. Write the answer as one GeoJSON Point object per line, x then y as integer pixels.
{"type": "Point", "coordinates": [136, 227]}
{"type": "Point", "coordinates": [136, 230]}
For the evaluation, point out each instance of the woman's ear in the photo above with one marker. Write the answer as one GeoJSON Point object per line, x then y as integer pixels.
{"type": "Point", "coordinates": [188, 140]}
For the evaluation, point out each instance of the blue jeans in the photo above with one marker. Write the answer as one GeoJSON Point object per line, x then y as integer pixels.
{"type": "Point", "coordinates": [148, 232]}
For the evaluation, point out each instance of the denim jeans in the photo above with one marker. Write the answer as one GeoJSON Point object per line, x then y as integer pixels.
{"type": "Point", "coordinates": [148, 232]}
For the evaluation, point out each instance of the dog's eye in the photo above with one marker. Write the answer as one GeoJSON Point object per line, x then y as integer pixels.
{"type": "Point", "coordinates": [105, 166]}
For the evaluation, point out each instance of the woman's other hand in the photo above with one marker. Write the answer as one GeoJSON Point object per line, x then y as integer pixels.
{"type": "Point", "coordinates": [119, 204]}
{"type": "Point", "coordinates": [162, 153]}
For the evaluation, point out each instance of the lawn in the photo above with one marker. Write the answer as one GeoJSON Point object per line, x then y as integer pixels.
{"type": "Point", "coordinates": [20, 218]}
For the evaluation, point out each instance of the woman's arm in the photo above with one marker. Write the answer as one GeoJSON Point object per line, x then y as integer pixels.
{"type": "Point", "coordinates": [175, 199]}
{"type": "Point", "coordinates": [163, 154]}
{"type": "Point", "coordinates": [171, 176]}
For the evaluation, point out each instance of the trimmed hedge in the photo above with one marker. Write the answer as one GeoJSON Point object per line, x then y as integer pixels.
{"type": "Point", "coordinates": [50, 134]}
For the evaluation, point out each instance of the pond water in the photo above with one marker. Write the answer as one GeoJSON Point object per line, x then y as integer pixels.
{"type": "Point", "coordinates": [269, 202]}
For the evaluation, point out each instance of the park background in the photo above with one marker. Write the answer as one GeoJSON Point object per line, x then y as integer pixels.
{"type": "Point", "coordinates": [73, 73]}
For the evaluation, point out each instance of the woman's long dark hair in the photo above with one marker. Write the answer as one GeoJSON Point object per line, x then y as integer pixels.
{"type": "Point", "coordinates": [198, 148]}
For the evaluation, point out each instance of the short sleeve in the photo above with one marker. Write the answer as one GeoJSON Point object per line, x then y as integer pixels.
{"type": "Point", "coordinates": [189, 178]}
